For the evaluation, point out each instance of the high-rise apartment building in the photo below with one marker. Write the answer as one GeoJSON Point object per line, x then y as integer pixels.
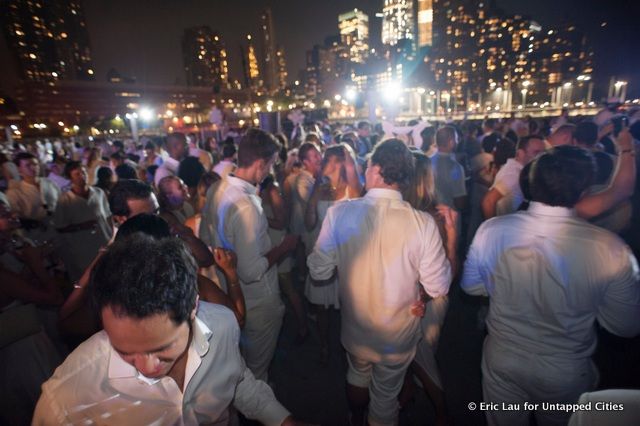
{"type": "Point", "coordinates": [49, 39]}
{"type": "Point", "coordinates": [269, 52]}
{"type": "Point", "coordinates": [205, 58]}
{"type": "Point", "coordinates": [354, 33]}
{"type": "Point", "coordinates": [282, 68]}
{"type": "Point", "coordinates": [252, 69]}
{"type": "Point", "coordinates": [397, 21]}
{"type": "Point", "coordinates": [425, 24]}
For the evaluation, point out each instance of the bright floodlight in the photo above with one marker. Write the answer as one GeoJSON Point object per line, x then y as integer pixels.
{"type": "Point", "coordinates": [350, 94]}
{"type": "Point", "coordinates": [421, 90]}
{"type": "Point", "coordinates": [391, 92]}
{"type": "Point", "coordinates": [146, 114]}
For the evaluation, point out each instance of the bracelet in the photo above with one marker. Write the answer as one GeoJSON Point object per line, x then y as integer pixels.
{"type": "Point", "coordinates": [627, 151]}
{"type": "Point", "coordinates": [78, 286]}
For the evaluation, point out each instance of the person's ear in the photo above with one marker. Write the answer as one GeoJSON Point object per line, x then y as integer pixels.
{"type": "Point", "coordinates": [192, 316]}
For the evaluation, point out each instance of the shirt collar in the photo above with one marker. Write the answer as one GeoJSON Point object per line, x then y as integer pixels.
{"type": "Point", "coordinates": [512, 162]}
{"type": "Point", "coordinates": [242, 184]}
{"type": "Point", "coordinates": [542, 209]}
{"type": "Point", "coordinates": [120, 369]}
{"type": "Point", "coordinates": [391, 194]}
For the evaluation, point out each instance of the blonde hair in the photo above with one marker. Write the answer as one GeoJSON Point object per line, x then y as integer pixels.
{"type": "Point", "coordinates": [421, 192]}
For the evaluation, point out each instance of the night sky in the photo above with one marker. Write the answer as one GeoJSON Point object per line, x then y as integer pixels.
{"type": "Point", "coordinates": [141, 38]}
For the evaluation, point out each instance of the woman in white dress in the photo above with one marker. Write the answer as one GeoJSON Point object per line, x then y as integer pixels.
{"type": "Point", "coordinates": [421, 196]}
{"type": "Point", "coordinates": [339, 182]}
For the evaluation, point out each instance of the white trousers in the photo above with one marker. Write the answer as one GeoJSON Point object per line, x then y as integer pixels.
{"type": "Point", "coordinates": [512, 376]}
{"type": "Point", "coordinates": [260, 335]}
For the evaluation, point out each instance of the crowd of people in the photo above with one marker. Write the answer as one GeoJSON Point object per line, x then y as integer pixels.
{"type": "Point", "coordinates": [144, 282]}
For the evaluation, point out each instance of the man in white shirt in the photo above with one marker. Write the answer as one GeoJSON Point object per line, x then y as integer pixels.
{"type": "Point", "coordinates": [33, 198]}
{"type": "Point", "coordinates": [233, 219]}
{"type": "Point", "coordinates": [162, 358]}
{"type": "Point", "coordinates": [177, 149]}
{"type": "Point", "coordinates": [549, 275]}
{"type": "Point", "coordinates": [311, 159]}
{"type": "Point", "coordinates": [227, 165]}
{"type": "Point", "coordinates": [381, 250]}
{"type": "Point", "coordinates": [505, 195]}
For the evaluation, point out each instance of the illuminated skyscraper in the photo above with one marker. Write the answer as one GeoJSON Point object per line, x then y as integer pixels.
{"type": "Point", "coordinates": [253, 71]}
{"type": "Point", "coordinates": [205, 58]}
{"type": "Point", "coordinates": [48, 39]}
{"type": "Point", "coordinates": [454, 61]}
{"type": "Point", "coordinates": [425, 23]}
{"type": "Point", "coordinates": [269, 53]}
{"type": "Point", "coordinates": [397, 21]}
{"type": "Point", "coordinates": [354, 33]}
{"type": "Point", "coordinates": [282, 68]}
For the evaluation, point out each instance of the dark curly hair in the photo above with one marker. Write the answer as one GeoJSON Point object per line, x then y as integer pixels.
{"type": "Point", "coordinates": [162, 281]}
{"type": "Point", "coordinates": [124, 190]}
{"type": "Point", "coordinates": [559, 176]}
{"type": "Point", "coordinates": [395, 161]}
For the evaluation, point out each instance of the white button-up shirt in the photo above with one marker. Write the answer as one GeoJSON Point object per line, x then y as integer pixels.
{"type": "Point", "coordinates": [96, 386]}
{"type": "Point", "coordinates": [550, 275]}
{"type": "Point", "coordinates": [29, 201]}
{"type": "Point", "coordinates": [381, 248]}
{"type": "Point", "coordinates": [169, 167]}
{"type": "Point", "coordinates": [507, 183]}
{"type": "Point", "coordinates": [233, 218]}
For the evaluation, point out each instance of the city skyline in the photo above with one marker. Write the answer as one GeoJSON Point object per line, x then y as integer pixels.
{"type": "Point", "coordinates": [151, 67]}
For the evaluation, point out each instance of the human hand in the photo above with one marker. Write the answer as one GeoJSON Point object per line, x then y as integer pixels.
{"type": "Point", "coordinates": [624, 140]}
{"type": "Point", "coordinates": [289, 242]}
{"type": "Point", "coordinates": [225, 259]}
{"type": "Point", "coordinates": [449, 216]}
{"type": "Point", "coordinates": [418, 308]}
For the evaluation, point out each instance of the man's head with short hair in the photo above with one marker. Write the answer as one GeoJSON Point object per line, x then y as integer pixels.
{"type": "Point", "coordinates": [586, 134]}
{"type": "Point", "coordinates": [489, 125]}
{"type": "Point", "coordinates": [130, 197]}
{"type": "Point", "coordinates": [125, 171]}
{"type": "Point", "coordinates": [256, 145]}
{"type": "Point", "coordinates": [528, 148]}
{"type": "Point", "coordinates": [310, 157]}
{"type": "Point", "coordinates": [145, 290]}
{"type": "Point", "coordinates": [364, 129]}
{"type": "Point", "coordinates": [229, 151]}
{"type": "Point", "coordinates": [28, 165]}
{"type": "Point", "coordinates": [391, 165]}
{"type": "Point", "coordinates": [563, 135]}
{"type": "Point", "coordinates": [190, 170]}
{"type": "Point", "coordinates": [172, 193]}
{"type": "Point", "coordinates": [428, 135]}
{"type": "Point", "coordinates": [177, 145]}
{"type": "Point", "coordinates": [560, 176]}
{"type": "Point", "coordinates": [446, 139]}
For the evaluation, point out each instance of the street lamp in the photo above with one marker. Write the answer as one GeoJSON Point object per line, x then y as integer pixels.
{"type": "Point", "coordinates": [524, 97]}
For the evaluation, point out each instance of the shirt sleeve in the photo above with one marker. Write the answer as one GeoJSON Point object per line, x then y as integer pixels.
{"type": "Point", "coordinates": [435, 270]}
{"type": "Point", "coordinates": [255, 399]}
{"type": "Point", "coordinates": [245, 229]}
{"type": "Point", "coordinates": [47, 413]}
{"type": "Point", "coordinates": [472, 282]}
{"type": "Point", "coordinates": [324, 258]}
{"type": "Point", "coordinates": [620, 311]}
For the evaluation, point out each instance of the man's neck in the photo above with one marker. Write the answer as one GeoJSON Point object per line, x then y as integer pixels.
{"type": "Point", "coordinates": [247, 175]}
{"type": "Point", "coordinates": [30, 180]}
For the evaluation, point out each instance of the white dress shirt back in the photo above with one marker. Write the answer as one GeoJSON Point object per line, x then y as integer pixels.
{"type": "Point", "coordinates": [381, 248]}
